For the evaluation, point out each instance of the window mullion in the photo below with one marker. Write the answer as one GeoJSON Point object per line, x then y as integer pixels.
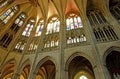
{"type": "Point", "coordinates": [96, 18]}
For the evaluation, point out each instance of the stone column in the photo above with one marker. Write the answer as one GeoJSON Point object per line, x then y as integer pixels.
{"type": "Point", "coordinates": [7, 27]}
{"type": "Point", "coordinates": [98, 68]}
{"type": "Point", "coordinates": [108, 76]}
{"type": "Point", "coordinates": [62, 46]}
{"type": "Point", "coordinates": [33, 73]}
{"type": "Point", "coordinates": [25, 50]}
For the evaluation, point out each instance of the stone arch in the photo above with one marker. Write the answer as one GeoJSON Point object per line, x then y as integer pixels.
{"type": "Point", "coordinates": [7, 69]}
{"type": "Point", "coordinates": [110, 49]}
{"type": "Point", "coordinates": [27, 61]}
{"type": "Point", "coordinates": [79, 54]}
{"type": "Point", "coordinates": [8, 61]}
{"type": "Point", "coordinates": [43, 61]}
{"type": "Point", "coordinates": [46, 68]}
{"type": "Point", "coordinates": [79, 57]}
{"type": "Point", "coordinates": [25, 65]}
{"type": "Point", "coordinates": [112, 62]}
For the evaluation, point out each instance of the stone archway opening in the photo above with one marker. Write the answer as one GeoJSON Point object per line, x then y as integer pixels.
{"type": "Point", "coordinates": [80, 68]}
{"type": "Point", "coordinates": [46, 71]}
{"type": "Point", "coordinates": [25, 72]}
{"type": "Point", "coordinates": [113, 64]}
{"type": "Point", "coordinates": [8, 70]}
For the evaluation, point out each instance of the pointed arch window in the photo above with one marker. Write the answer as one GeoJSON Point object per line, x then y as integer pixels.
{"type": "Point", "coordinates": [33, 45]}
{"type": "Point", "coordinates": [20, 46]}
{"type": "Point", "coordinates": [53, 26]}
{"type": "Point", "coordinates": [73, 22]}
{"type": "Point", "coordinates": [28, 28]}
{"type": "Point", "coordinates": [5, 2]}
{"type": "Point", "coordinates": [6, 16]}
{"type": "Point", "coordinates": [6, 39]}
{"type": "Point", "coordinates": [74, 29]}
{"type": "Point", "coordinates": [18, 22]}
{"type": "Point", "coordinates": [96, 17]}
{"type": "Point", "coordinates": [51, 39]}
{"type": "Point", "coordinates": [39, 28]}
{"type": "Point", "coordinates": [103, 31]}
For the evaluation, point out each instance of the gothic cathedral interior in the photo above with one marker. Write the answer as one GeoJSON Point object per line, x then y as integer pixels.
{"type": "Point", "coordinates": [59, 39]}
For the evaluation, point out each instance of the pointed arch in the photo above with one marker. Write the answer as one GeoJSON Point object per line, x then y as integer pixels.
{"type": "Point", "coordinates": [9, 13]}
{"type": "Point", "coordinates": [75, 30]}
{"type": "Point", "coordinates": [102, 30]}
{"type": "Point", "coordinates": [29, 27]}
{"type": "Point", "coordinates": [91, 60]}
{"type": "Point", "coordinates": [46, 68]}
{"type": "Point", "coordinates": [110, 49]}
{"type": "Point", "coordinates": [112, 61]}
{"type": "Point", "coordinates": [43, 61]}
{"type": "Point", "coordinates": [26, 62]}
{"type": "Point", "coordinates": [78, 65]}
{"type": "Point", "coordinates": [25, 69]}
{"type": "Point", "coordinates": [8, 69]}
{"type": "Point", "coordinates": [10, 60]}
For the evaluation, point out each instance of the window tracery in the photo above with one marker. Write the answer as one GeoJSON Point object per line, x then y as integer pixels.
{"type": "Point", "coordinates": [73, 22]}
{"type": "Point", "coordinates": [115, 10]}
{"type": "Point", "coordinates": [18, 22]}
{"type": "Point", "coordinates": [51, 39]}
{"type": "Point", "coordinates": [53, 26]}
{"type": "Point", "coordinates": [5, 2]}
{"type": "Point", "coordinates": [6, 16]}
{"type": "Point", "coordinates": [39, 28]}
{"type": "Point", "coordinates": [33, 45]}
{"type": "Point", "coordinates": [7, 38]}
{"type": "Point", "coordinates": [102, 30]}
{"type": "Point", "coordinates": [96, 17]}
{"type": "Point", "coordinates": [28, 28]}
{"type": "Point", "coordinates": [74, 29]}
{"type": "Point", "coordinates": [20, 46]}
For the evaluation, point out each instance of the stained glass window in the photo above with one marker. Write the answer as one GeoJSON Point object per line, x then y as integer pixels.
{"type": "Point", "coordinates": [5, 2]}
{"type": "Point", "coordinates": [53, 26]}
{"type": "Point", "coordinates": [73, 22]}
{"type": "Point", "coordinates": [33, 46]}
{"type": "Point", "coordinates": [20, 46]}
{"type": "Point", "coordinates": [39, 28]}
{"type": "Point", "coordinates": [19, 20]}
{"type": "Point", "coordinates": [5, 17]}
{"type": "Point", "coordinates": [28, 28]}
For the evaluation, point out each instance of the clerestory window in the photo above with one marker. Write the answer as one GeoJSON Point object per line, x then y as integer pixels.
{"type": "Point", "coordinates": [53, 26]}
{"type": "Point", "coordinates": [6, 16]}
{"type": "Point", "coordinates": [73, 22]}
{"type": "Point", "coordinates": [28, 29]}
{"type": "Point", "coordinates": [39, 28]}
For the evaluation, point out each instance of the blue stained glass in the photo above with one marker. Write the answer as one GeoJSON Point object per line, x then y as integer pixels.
{"type": "Point", "coordinates": [5, 14]}
{"type": "Point", "coordinates": [40, 29]}
{"type": "Point", "coordinates": [68, 28]}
